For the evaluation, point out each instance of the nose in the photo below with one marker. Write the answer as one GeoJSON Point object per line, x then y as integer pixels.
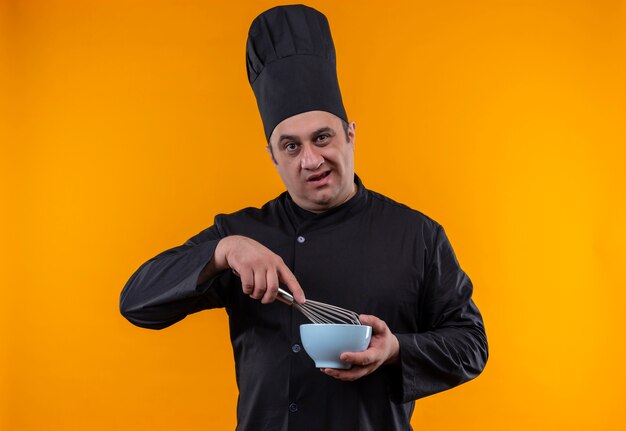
{"type": "Point", "coordinates": [311, 158]}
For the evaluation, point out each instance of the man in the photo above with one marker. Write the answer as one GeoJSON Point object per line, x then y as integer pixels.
{"type": "Point", "coordinates": [327, 236]}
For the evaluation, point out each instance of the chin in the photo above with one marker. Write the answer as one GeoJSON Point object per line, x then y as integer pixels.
{"type": "Point", "coordinates": [324, 204]}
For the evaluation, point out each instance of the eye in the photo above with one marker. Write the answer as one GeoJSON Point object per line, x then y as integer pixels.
{"type": "Point", "coordinates": [290, 147]}
{"type": "Point", "coordinates": [322, 138]}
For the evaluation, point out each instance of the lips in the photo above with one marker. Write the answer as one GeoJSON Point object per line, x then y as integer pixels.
{"type": "Point", "coordinates": [318, 177]}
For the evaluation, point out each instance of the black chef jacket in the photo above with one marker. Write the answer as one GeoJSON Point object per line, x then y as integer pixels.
{"type": "Point", "coordinates": [371, 255]}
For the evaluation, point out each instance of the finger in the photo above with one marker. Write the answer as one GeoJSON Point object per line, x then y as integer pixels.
{"type": "Point", "coordinates": [287, 277]}
{"type": "Point", "coordinates": [272, 287]}
{"type": "Point", "coordinates": [361, 359]}
{"type": "Point", "coordinates": [347, 375]}
{"type": "Point", "coordinates": [247, 281]}
{"type": "Point", "coordinates": [378, 326]}
{"type": "Point", "coordinates": [260, 284]}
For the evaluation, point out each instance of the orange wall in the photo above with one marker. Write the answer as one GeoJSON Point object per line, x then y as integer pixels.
{"type": "Point", "coordinates": [127, 125]}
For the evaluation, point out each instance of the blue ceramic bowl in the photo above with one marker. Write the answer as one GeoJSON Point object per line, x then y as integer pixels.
{"type": "Point", "coordinates": [326, 342]}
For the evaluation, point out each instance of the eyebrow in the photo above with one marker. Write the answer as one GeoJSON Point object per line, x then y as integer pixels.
{"type": "Point", "coordinates": [289, 137]}
{"type": "Point", "coordinates": [315, 133]}
{"type": "Point", "coordinates": [323, 130]}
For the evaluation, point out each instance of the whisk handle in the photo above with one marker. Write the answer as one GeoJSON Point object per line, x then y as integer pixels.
{"type": "Point", "coordinates": [284, 296]}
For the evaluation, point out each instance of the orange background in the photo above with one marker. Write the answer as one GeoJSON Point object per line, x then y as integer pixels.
{"type": "Point", "coordinates": [127, 125]}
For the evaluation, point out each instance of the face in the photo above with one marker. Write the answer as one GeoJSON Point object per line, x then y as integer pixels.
{"type": "Point", "coordinates": [315, 160]}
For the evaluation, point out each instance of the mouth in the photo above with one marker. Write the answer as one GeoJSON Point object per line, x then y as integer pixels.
{"type": "Point", "coordinates": [317, 178]}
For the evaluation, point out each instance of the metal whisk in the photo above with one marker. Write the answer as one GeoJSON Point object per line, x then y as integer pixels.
{"type": "Point", "coordinates": [318, 312]}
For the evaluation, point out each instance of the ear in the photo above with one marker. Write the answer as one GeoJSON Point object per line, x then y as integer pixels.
{"type": "Point", "coordinates": [271, 152]}
{"type": "Point", "coordinates": [352, 132]}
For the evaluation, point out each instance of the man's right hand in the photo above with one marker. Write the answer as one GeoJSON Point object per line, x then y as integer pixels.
{"type": "Point", "coordinates": [260, 269]}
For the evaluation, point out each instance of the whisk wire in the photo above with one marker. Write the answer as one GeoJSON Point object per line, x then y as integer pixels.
{"type": "Point", "coordinates": [319, 312]}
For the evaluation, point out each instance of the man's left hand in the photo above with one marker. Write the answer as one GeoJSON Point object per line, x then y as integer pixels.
{"type": "Point", "coordinates": [383, 349]}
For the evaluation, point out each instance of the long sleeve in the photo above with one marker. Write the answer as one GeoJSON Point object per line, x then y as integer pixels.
{"type": "Point", "coordinates": [372, 255]}
{"type": "Point", "coordinates": [451, 347]}
{"type": "Point", "coordinates": [164, 289]}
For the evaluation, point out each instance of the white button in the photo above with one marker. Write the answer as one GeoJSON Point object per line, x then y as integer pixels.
{"type": "Point", "coordinates": [301, 239]}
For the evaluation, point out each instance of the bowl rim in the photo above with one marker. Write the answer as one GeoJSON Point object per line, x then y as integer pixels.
{"type": "Point", "coordinates": [343, 325]}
